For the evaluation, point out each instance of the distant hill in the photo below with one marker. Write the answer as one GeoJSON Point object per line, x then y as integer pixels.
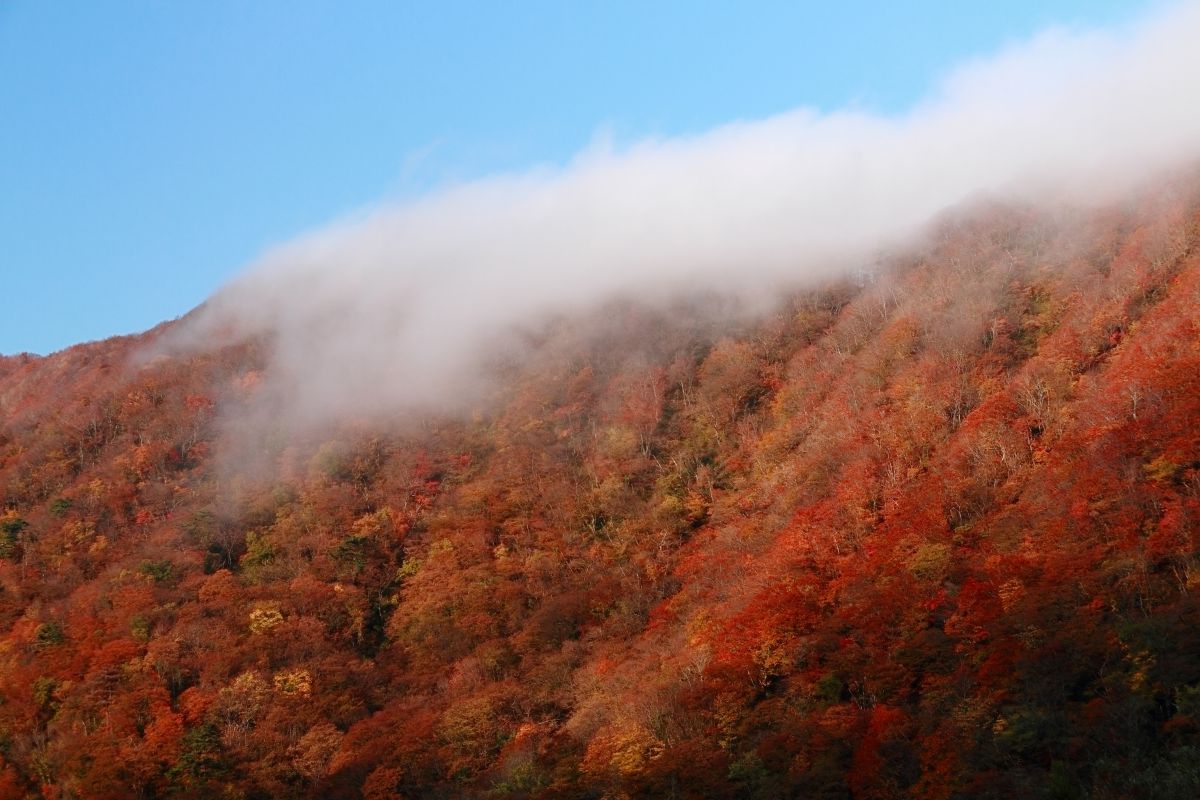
{"type": "Point", "coordinates": [933, 531]}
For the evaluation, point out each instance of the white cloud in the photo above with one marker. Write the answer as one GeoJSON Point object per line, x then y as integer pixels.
{"type": "Point", "coordinates": [394, 310]}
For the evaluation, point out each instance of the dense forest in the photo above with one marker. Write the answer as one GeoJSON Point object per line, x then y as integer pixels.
{"type": "Point", "coordinates": [928, 531]}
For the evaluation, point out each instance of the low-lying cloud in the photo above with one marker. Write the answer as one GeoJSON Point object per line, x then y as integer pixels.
{"type": "Point", "coordinates": [395, 310]}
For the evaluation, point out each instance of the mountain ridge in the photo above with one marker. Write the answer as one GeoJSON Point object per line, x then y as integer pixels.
{"type": "Point", "coordinates": [931, 533]}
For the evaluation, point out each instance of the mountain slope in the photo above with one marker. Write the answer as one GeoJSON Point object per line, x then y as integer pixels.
{"type": "Point", "coordinates": [931, 532]}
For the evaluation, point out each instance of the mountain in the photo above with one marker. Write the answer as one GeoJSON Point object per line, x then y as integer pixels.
{"type": "Point", "coordinates": [927, 531]}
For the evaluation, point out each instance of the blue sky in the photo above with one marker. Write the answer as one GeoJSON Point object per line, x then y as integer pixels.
{"type": "Point", "coordinates": [150, 150]}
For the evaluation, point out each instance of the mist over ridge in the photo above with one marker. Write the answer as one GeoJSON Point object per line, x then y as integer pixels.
{"type": "Point", "coordinates": [398, 308]}
{"type": "Point", "coordinates": [829, 455]}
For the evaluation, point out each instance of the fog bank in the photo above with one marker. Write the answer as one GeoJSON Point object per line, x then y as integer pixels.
{"type": "Point", "coordinates": [396, 309]}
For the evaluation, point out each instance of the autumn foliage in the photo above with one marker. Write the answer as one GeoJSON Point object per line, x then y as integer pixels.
{"type": "Point", "coordinates": [930, 532]}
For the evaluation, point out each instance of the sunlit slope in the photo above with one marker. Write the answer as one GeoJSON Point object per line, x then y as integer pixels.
{"type": "Point", "coordinates": [928, 532]}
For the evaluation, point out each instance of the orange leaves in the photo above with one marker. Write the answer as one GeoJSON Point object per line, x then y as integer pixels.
{"type": "Point", "coordinates": [194, 704]}
{"type": "Point", "coordinates": [163, 736]}
{"type": "Point", "coordinates": [620, 752]}
{"type": "Point", "coordinates": [893, 541]}
{"type": "Point", "coordinates": [198, 403]}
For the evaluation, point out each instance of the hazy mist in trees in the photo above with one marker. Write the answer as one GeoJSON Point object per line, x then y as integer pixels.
{"type": "Point", "coordinates": [400, 309]}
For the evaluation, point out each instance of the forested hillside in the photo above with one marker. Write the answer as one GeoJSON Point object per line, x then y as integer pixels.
{"type": "Point", "coordinates": [930, 531]}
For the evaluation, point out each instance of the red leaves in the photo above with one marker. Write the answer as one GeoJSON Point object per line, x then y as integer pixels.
{"type": "Point", "coordinates": [883, 543]}
{"type": "Point", "coordinates": [884, 725]}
